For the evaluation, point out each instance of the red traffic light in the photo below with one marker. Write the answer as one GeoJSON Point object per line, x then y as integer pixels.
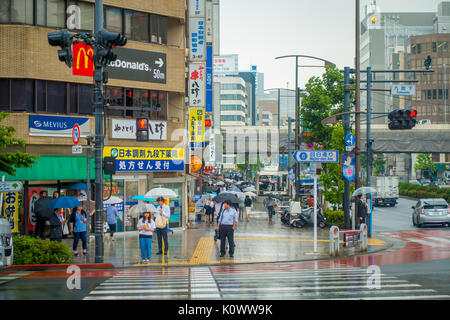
{"type": "Point", "coordinates": [142, 123]}
{"type": "Point", "coordinates": [207, 123]}
{"type": "Point", "coordinates": [413, 113]}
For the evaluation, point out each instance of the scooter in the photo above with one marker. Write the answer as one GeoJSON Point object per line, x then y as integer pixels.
{"type": "Point", "coordinates": [308, 217]}
{"type": "Point", "coordinates": [285, 216]}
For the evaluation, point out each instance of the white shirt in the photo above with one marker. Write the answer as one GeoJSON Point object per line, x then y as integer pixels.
{"type": "Point", "coordinates": [165, 210]}
{"type": "Point", "coordinates": [150, 224]}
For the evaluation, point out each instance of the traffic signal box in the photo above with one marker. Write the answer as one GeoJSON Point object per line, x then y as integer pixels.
{"type": "Point", "coordinates": [401, 119]}
{"type": "Point", "coordinates": [142, 129]}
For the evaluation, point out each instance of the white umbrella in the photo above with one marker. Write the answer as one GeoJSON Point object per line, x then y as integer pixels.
{"type": "Point", "coordinates": [220, 183]}
{"type": "Point", "coordinates": [228, 180]}
{"type": "Point", "coordinates": [161, 192]}
{"type": "Point", "coordinates": [139, 209]}
{"type": "Point", "coordinates": [250, 194]}
{"type": "Point", "coordinates": [113, 200]}
{"type": "Point", "coordinates": [249, 189]}
{"type": "Point", "coordinates": [364, 190]}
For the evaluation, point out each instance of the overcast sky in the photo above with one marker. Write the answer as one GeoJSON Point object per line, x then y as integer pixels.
{"type": "Point", "coordinates": [260, 30]}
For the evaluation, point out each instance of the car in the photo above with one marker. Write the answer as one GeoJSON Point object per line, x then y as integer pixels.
{"type": "Point", "coordinates": [414, 182]}
{"type": "Point", "coordinates": [431, 211]}
{"type": "Point", "coordinates": [425, 182]}
{"type": "Point", "coordinates": [440, 184]}
{"type": "Point", "coordinates": [6, 243]}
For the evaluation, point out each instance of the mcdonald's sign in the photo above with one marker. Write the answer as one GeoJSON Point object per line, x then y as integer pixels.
{"type": "Point", "coordinates": [83, 64]}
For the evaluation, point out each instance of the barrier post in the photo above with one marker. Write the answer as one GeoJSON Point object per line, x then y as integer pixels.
{"type": "Point", "coordinates": [334, 241]}
{"type": "Point", "coordinates": [363, 236]}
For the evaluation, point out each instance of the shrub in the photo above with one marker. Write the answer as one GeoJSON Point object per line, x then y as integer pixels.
{"type": "Point", "coordinates": [334, 217]}
{"type": "Point", "coordinates": [29, 250]}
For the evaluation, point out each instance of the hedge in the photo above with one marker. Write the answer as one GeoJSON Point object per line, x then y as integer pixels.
{"type": "Point", "coordinates": [334, 217]}
{"type": "Point", "coordinates": [418, 191]}
{"type": "Point", "coordinates": [29, 250]}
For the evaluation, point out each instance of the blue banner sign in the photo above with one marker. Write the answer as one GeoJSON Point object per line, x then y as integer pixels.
{"type": "Point", "coordinates": [55, 126]}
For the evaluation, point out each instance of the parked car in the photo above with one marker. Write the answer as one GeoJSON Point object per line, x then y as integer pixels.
{"type": "Point", "coordinates": [6, 243]}
{"type": "Point", "coordinates": [440, 184]}
{"type": "Point", "coordinates": [425, 182]}
{"type": "Point", "coordinates": [431, 211]}
{"type": "Point", "coordinates": [414, 182]}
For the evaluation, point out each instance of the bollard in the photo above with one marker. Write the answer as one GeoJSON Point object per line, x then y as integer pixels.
{"type": "Point", "coordinates": [363, 235]}
{"type": "Point", "coordinates": [334, 241]}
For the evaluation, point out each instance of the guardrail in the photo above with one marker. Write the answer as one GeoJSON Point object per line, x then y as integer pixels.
{"type": "Point", "coordinates": [351, 238]}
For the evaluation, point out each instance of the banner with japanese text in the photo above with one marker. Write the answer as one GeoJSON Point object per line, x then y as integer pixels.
{"type": "Point", "coordinates": [11, 209]}
{"type": "Point", "coordinates": [197, 127]}
{"type": "Point", "coordinates": [197, 85]}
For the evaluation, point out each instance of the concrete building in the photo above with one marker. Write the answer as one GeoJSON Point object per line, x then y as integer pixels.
{"type": "Point", "coordinates": [233, 101]}
{"type": "Point", "coordinates": [45, 98]}
{"type": "Point", "coordinates": [268, 112]}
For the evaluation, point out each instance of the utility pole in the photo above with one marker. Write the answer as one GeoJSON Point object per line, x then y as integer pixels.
{"type": "Point", "coordinates": [297, 133]}
{"type": "Point", "coordinates": [346, 200]}
{"type": "Point", "coordinates": [445, 94]}
{"type": "Point", "coordinates": [369, 122]}
{"type": "Point", "coordinates": [357, 101]}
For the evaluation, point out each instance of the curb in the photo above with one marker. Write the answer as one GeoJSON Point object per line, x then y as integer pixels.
{"type": "Point", "coordinates": [59, 266]}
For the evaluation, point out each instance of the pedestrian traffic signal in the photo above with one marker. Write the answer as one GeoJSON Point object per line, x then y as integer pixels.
{"type": "Point", "coordinates": [401, 119]}
{"type": "Point", "coordinates": [108, 41]}
{"type": "Point", "coordinates": [62, 39]}
{"type": "Point", "coordinates": [141, 129]}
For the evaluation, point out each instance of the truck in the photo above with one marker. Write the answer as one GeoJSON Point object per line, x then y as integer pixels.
{"type": "Point", "coordinates": [387, 190]}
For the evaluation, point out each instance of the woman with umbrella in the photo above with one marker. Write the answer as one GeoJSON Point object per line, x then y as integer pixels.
{"type": "Point", "coordinates": [248, 206]}
{"type": "Point", "coordinates": [146, 227]}
{"type": "Point", "coordinates": [78, 226]}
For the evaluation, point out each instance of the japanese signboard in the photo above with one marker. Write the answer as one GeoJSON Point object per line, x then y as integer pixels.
{"type": "Point", "coordinates": [130, 159]}
{"type": "Point", "coordinates": [197, 127]}
{"type": "Point", "coordinates": [225, 65]}
{"type": "Point", "coordinates": [197, 85]}
{"type": "Point", "coordinates": [197, 39]}
{"type": "Point", "coordinates": [55, 126]}
{"type": "Point", "coordinates": [209, 78]}
{"type": "Point", "coordinates": [33, 196]}
{"type": "Point", "coordinates": [197, 8]}
{"type": "Point", "coordinates": [126, 129]}
{"type": "Point", "coordinates": [209, 26]}
{"type": "Point", "coordinates": [11, 209]}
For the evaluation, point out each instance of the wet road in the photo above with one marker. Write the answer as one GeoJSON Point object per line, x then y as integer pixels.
{"type": "Point", "coordinates": [417, 266]}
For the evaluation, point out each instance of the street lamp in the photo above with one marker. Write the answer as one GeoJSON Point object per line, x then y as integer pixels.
{"type": "Point", "coordinates": [297, 106]}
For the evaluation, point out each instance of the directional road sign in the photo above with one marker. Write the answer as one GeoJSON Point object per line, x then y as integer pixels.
{"type": "Point", "coordinates": [403, 90]}
{"type": "Point", "coordinates": [10, 186]}
{"type": "Point", "coordinates": [329, 156]}
{"type": "Point", "coordinates": [350, 140]}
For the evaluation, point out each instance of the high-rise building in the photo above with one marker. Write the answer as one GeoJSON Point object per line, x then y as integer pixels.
{"type": "Point", "coordinates": [233, 101]}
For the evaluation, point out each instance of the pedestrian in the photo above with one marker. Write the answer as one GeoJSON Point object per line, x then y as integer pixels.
{"type": "Point", "coordinates": [269, 204]}
{"type": "Point", "coordinates": [78, 226]}
{"type": "Point", "coordinates": [112, 214]}
{"type": "Point", "coordinates": [55, 194]}
{"type": "Point", "coordinates": [146, 226]}
{"type": "Point", "coordinates": [56, 230]}
{"type": "Point", "coordinates": [362, 210]}
{"type": "Point", "coordinates": [209, 210]}
{"type": "Point", "coordinates": [161, 220]}
{"type": "Point", "coordinates": [41, 215]}
{"type": "Point", "coordinates": [248, 206]}
{"type": "Point", "coordinates": [226, 226]}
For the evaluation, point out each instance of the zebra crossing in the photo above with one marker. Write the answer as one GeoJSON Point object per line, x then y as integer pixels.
{"type": "Point", "coordinates": [12, 276]}
{"type": "Point", "coordinates": [202, 283]}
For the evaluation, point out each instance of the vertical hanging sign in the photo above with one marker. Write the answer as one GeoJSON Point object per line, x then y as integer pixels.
{"type": "Point", "coordinates": [209, 79]}
{"type": "Point", "coordinates": [197, 127]}
{"type": "Point", "coordinates": [197, 84]}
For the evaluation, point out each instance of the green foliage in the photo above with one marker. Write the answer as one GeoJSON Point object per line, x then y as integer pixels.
{"type": "Point", "coordinates": [424, 162]}
{"type": "Point", "coordinates": [418, 191]}
{"type": "Point", "coordinates": [11, 160]}
{"type": "Point", "coordinates": [334, 217]}
{"type": "Point", "coordinates": [29, 250]}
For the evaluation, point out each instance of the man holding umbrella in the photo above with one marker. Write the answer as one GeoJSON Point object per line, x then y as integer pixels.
{"type": "Point", "coordinates": [43, 214]}
{"type": "Point", "coordinates": [161, 220]}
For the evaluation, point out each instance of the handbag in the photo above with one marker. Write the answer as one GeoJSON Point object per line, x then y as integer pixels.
{"type": "Point", "coordinates": [160, 222]}
{"type": "Point", "coordinates": [65, 229]}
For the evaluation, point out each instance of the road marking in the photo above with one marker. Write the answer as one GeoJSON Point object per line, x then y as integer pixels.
{"type": "Point", "coordinates": [198, 290]}
{"type": "Point", "coordinates": [299, 287]}
{"type": "Point", "coordinates": [398, 298]}
{"type": "Point", "coordinates": [203, 251]}
{"type": "Point", "coordinates": [426, 243]}
{"type": "Point", "coordinates": [438, 239]}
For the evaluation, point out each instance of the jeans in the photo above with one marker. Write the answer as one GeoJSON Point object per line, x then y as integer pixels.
{"type": "Point", "coordinates": [76, 238]}
{"type": "Point", "coordinates": [270, 211]}
{"type": "Point", "coordinates": [146, 247]}
{"type": "Point", "coordinates": [162, 235]}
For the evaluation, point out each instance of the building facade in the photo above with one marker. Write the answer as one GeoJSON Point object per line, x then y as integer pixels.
{"type": "Point", "coordinates": [233, 101]}
{"type": "Point", "coordinates": [43, 96]}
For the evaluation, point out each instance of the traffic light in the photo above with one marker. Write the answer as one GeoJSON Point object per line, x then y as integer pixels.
{"type": "Point", "coordinates": [401, 119]}
{"type": "Point", "coordinates": [427, 63]}
{"type": "Point", "coordinates": [108, 41]}
{"type": "Point", "coordinates": [141, 129]}
{"type": "Point", "coordinates": [62, 39]}
{"type": "Point", "coordinates": [109, 165]}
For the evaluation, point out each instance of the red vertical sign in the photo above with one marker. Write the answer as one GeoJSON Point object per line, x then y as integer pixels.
{"type": "Point", "coordinates": [82, 60]}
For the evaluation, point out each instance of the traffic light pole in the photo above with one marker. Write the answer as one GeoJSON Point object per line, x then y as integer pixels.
{"type": "Point", "coordinates": [369, 122]}
{"type": "Point", "coordinates": [99, 139]}
{"type": "Point", "coordinates": [346, 200]}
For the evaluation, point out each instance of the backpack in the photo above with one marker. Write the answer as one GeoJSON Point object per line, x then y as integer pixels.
{"type": "Point", "coordinates": [160, 222]}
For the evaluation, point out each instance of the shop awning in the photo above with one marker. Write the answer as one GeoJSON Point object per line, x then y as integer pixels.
{"type": "Point", "coordinates": [55, 168]}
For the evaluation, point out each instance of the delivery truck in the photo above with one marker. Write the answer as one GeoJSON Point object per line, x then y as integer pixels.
{"type": "Point", "coordinates": [387, 191]}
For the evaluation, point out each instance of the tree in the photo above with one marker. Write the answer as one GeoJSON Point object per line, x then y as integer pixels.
{"type": "Point", "coordinates": [424, 162]}
{"type": "Point", "coordinates": [9, 161]}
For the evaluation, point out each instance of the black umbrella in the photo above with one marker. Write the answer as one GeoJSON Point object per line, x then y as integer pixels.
{"type": "Point", "coordinates": [226, 196]}
{"type": "Point", "coordinates": [40, 208]}
{"type": "Point", "coordinates": [276, 196]}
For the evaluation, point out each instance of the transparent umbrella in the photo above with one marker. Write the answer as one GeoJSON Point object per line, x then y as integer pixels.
{"type": "Point", "coordinates": [364, 190]}
{"type": "Point", "coordinates": [113, 200]}
{"type": "Point", "coordinates": [161, 192]}
{"type": "Point", "coordinates": [139, 209]}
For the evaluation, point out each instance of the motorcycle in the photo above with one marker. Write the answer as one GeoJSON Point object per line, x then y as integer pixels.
{"type": "Point", "coordinates": [306, 217]}
{"type": "Point", "coordinates": [285, 216]}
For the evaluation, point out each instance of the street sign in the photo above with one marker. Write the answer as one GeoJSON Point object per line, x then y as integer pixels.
{"type": "Point", "coordinates": [350, 140]}
{"type": "Point", "coordinates": [10, 186]}
{"type": "Point", "coordinates": [76, 133]}
{"type": "Point", "coordinates": [328, 156]}
{"type": "Point", "coordinates": [77, 149]}
{"type": "Point", "coordinates": [348, 148]}
{"type": "Point", "coordinates": [403, 90]}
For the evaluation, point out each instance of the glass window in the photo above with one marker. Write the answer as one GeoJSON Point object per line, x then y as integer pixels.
{"type": "Point", "coordinates": [4, 94]}
{"type": "Point", "coordinates": [56, 13]}
{"type": "Point", "coordinates": [413, 49]}
{"type": "Point", "coordinates": [136, 25]}
{"type": "Point", "coordinates": [41, 96]}
{"type": "Point", "coordinates": [22, 95]}
{"type": "Point", "coordinates": [4, 11]}
{"type": "Point", "coordinates": [87, 16]}
{"type": "Point", "coordinates": [440, 94]}
{"type": "Point", "coordinates": [154, 28]}
{"type": "Point", "coordinates": [85, 99]}
{"type": "Point", "coordinates": [113, 19]}
{"type": "Point", "coordinates": [419, 48]}
{"type": "Point", "coordinates": [56, 97]}
{"type": "Point", "coordinates": [129, 102]}
{"type": "Point", "coordinates": [434, 94]}
{"type": "Point", "coordinates": [41, 13]}
{"type": "Point", "coordinates": [73, 99]}
{"type": "Point", "coordinates": [434, 47]}
{"type": "Point", "coordinates": [21, 11]}
{"type": "Point", "coordinates": [114, 97]}
{"type": "Point", "coordinates": [162, 32]}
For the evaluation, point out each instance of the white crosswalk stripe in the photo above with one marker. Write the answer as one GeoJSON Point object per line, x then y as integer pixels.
{"type": "Point", "coordinates": [13, 276]}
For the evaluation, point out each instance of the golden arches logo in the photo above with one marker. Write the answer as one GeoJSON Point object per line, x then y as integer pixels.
{"type": "Point", "coordinates": [85, 57]}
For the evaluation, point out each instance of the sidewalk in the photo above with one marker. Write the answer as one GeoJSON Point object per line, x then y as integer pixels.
{"type": "Point", "coordinates": [256, 241]}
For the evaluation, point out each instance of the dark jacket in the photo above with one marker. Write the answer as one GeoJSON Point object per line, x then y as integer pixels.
{"type": "Point", "coordinates": [248, 202]}
{"type": "Point", "coordinates": [55, 227]}
{"type": "Point", "coordinates": [362, 210]}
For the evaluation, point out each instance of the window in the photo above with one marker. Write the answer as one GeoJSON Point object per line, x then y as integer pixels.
{"type": "Point", "coordinates": [22, 11]}
{"type": "Point", "coordinates": [154, 27]}
{"type": "Point", "coordinates": [136, 25]}
{"type": "Point", "coordinates": [158, 29]}
{"type": "Point", "coordinates": [85, 99]}
{"type": "Point", "coordinates": [440, 94]}
{"type": "Point", "coordinates": [434, 46]}
{"type": "Point", "coordinates": [159, 105]}
{"type": "Point", "coordinates": [86, 15]}
{"type": "Point", "coordinates": [162, 32]}
{"type": "Point", "coordinates": [447, 157]}
{"type": "Point", "coordinates": [435, 157]}
{"type": "Point", "coordinates": [419, 48]}
{"type": "Point", "coordinates": [114, 97]}
{"type": "Point", "coordinates": [113, 19]}
{"type": "Point", "coordinates": [4, 94]}
{"type": "Point", "coordinates": [413, 49]}
{"type": "Point", "coordinates": [73, 98]}
{"type": "Point", "coordinates": [56, 13]}
{"type": "Point", "coordinates": [41, 96]}
{"type": "Point", "coordinates": [434, 94]}
{"type": "Point", "coordinates": [41, 19]}
{"type": "Point", "coordinates": [429, 94]}
{"type": "Point", "coordinates": [56, 97]}
{"type": "Point", "coordinates": [22, 93]}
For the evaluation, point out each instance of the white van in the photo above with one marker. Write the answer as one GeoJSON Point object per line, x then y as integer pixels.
{"type": "Point", "coordinates": [6, 243]}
